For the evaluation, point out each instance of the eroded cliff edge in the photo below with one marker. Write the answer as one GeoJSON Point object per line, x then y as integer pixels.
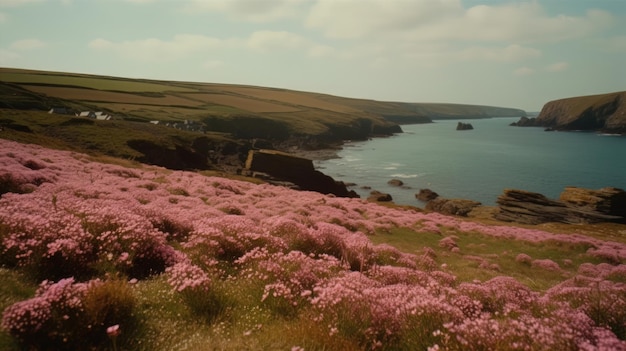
{"type": "Point", "coordinates": [604, 113]}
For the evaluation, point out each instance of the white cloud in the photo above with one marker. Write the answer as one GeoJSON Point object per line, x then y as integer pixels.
{"type": "Point", "coordinates": [27, 44]}
{"type": "Point", "coordinates": [558, 67]}
{"type": "Point", "coordinates": [153, 49]}
{"type": "Point", "coordinates": [7, 57]}
{"type": "Point", "coordinates": [186, 45]}
{"type": "Point", "coordinates": [506, 54]}
{"type": "Point", "coordinates": [617, 43]}
{"type": "Point", "coordinates": [271, 41]}
{"type": "Point", "coordinates": [354, 19]}
{"type": "Point", "coordinates": [15, 3]}
{"type": "Point", "coordinates": [212, 64]}
{"type": "Point", "coordinates": [523, 71]}
{"type": "Point", "coordinates": [266, 40]}
{"type": "Point", "coordinates": [248, 10]}
{"type": "Point", "coordinates": [317, 50]}
{"type": "Point", "coordinates": [435, 20]}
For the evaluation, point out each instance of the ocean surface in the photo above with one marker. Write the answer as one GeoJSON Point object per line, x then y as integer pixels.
{"type": "Point", "coordinates": [479, 164]}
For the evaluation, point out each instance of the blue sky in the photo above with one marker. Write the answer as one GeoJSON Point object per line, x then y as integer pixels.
{"type": "Point", "coordinates": [504, 53]}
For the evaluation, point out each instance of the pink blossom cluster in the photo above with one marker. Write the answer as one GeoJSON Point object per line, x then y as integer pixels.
{"type": "Point", "coordinates": [85, 219]}
{"type": "Point", "coordinates": [54, 303]}
{"type": "Point", "coordinates": [546, 264]}
{"type": "Point", "coordinates": [186, 276]}
{"type": "Point", "coordinates": [289, 276]}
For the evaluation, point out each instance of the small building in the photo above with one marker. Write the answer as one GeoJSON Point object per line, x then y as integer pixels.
{"type": "Point", "coordinates": [95, 115]}
{"type": "Point", "coordinates": [88, 114]}
{"type": "Point", "coordinates": [59, 111]}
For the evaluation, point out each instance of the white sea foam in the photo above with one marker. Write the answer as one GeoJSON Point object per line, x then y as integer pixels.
{"type": "Point", "coordinates": [403, 175]}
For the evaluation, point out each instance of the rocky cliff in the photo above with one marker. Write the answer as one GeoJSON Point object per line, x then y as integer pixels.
{"type": "Point", "coordinates": [574, 206]}
{"type": "Point", "coordinates": [605, 113]}
{"type": "Point", "coordinates": [280, 166]}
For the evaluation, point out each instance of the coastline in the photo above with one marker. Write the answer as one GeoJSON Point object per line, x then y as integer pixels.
{"type": "Point", "coordinates": [317, 154]}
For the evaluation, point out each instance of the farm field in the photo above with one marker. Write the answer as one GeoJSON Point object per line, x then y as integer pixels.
{"type": "Point", "coordinates": [112, 254]}
{"type": "Point", "coordinates": [211, 100]}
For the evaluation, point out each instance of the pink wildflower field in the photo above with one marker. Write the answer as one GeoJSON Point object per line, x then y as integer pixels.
{"type": "Point", "coordinates": [75, 228]}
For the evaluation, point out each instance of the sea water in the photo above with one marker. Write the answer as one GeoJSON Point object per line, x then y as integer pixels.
{"type": "Point", "coordinates": [479, 164]}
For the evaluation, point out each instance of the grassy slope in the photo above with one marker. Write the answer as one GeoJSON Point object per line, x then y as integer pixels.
{"type": "Point", "coordinates": [223, 100]}
{"type": "Point", "coordinates": [570, 109]}
{"type": "Point", "coordinates": [244, 112]}
{"type": "Point", "coordinates": [93, 136]}
{"type": "Point", "coordinates": [169, 324]}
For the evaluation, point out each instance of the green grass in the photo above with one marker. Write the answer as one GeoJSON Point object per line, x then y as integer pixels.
{"type": "Point", "coordinates": [93, 136]}
{"type": "Point", "coordinates": [577, 105]}
{"type": "Point", "coordinates": [15, 287]}
{"type": "Point", "coordinates": [502, 252]}
{"type": "Point", "coordinates": [237, 319]}
{"type": "Point", "coordinates": [91, 82]}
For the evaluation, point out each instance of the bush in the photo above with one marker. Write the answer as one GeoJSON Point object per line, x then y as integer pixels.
{"type": "Point", "coordinates": [109, 303]}
{"type": "Point", "coordinates": [70, 316]}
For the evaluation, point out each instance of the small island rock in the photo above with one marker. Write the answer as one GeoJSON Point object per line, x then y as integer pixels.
{"type": "Point", "coordinates": [377, 196]}
{"type": "Point", "coordinates": [464, 126]}
{"type": "Point", "coordinates": [426, 195]}
{"type": "Point", "coordinates": [395, 182]}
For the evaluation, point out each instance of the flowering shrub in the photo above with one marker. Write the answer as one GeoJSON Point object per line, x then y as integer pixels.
{"type": "Point", "coordinates": [184, 276]}
{"type": "Point", "coordinates": [300, 254]}
{"type": "Point", "coordinates": [67, 315]}
{"type": "Point", "coordinates": [193, 284]}
{"type": "Point", "coordinates": [524, 258]}
{"type": "Point", "coordinates": [546, 264]}
{"type": "Point", "coordinates": [393, 315]}
{"type": "Point", "coordinates": [289, 278]}
{"type": "Point", "coordinates": [604, 301]}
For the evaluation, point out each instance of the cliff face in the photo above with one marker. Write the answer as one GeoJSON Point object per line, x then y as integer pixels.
{"type": "Point", "coordinates": [606, 112]}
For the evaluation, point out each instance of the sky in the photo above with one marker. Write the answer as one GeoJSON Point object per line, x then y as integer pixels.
{"type": "Point", "coordinates": [518, 54]}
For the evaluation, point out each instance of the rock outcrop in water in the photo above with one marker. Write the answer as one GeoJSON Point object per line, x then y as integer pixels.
{"type": "Point", "coordinates": [605, 113]}
{"type": "Point", "coordinates": [574, 206]}
{"type": "Point", "coordinates": [426, 195]}
{"type": "Point", "coordinates": [377, 196]}
{"type": "Point", "coordinates": [464, 126]}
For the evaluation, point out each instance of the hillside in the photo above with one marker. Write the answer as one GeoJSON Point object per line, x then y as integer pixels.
{"type": "Point", "coordinates": [460, 111]}
{"type": "Point", "coordinates": [124, 256]}
{"type": "Point", "coordinates": [277, 113]}
{"type": "Point", "coordinates": [604, 112]}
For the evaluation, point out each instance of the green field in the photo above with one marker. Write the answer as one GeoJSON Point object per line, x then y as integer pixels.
{"type": "Point", "coordinates": [220, 113]}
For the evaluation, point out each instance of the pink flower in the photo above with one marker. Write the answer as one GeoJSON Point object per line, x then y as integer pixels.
{"type": "Point", "coordinates": [113, 331]}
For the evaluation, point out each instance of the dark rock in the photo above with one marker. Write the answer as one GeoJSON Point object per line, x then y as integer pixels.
{"type": "Point", "coordinates": [426, 195]}
{"type": "Point", "coordinates": [525, 122]}
{"type": "Point", "coordinates": [455, 207]}
{"type": "Point", "coordinates": [576, 206]}
{"type": "Point", "coordinates": [464, 126]}
{"type": "Point", "coordinates": [604, 112]}
{"type": "Point", "coordinates": [181, 157]}
{"type": "Point", "coordinates": [395, 182]}
{"type": "Point", "coordinates": [278, 164]}
{"type": "Point", "coordinates": [528, 207]}
{"type": "Point", "coordinates": [407, 119]}
{"type": "Point", "coordinates": [297, 170]}
{"type": "Point", "coordinates": [379, 197]}
{"type": "Point", "coordinates": [610, 201]}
